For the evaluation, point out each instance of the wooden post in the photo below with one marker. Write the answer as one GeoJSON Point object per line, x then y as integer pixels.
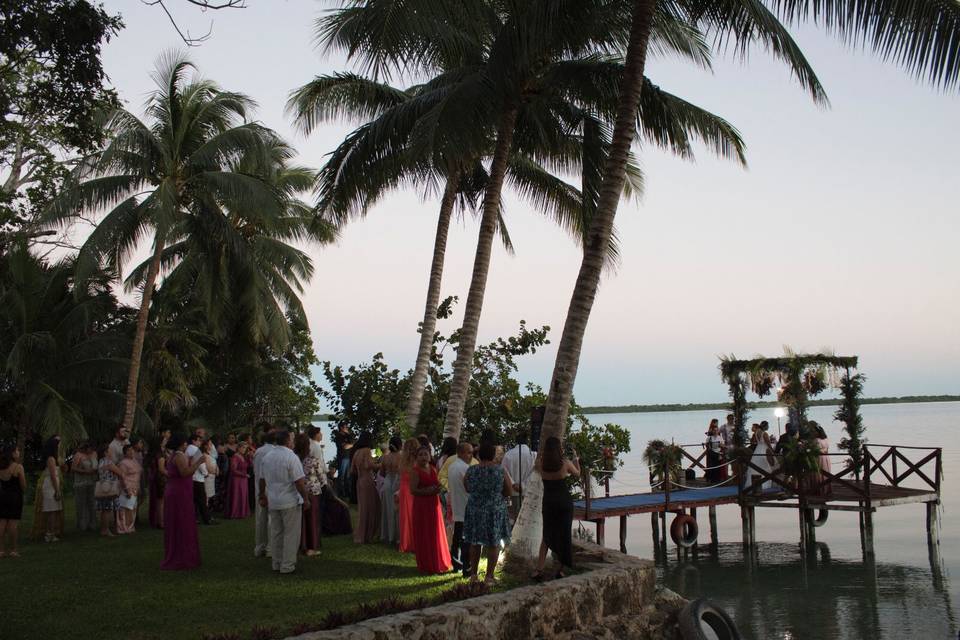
{"type": "Point", "coordinates": [933, 523]}
{"type": "Point", "coordinates": [693, 514]}
{"type": "Point", "coordinates": [752, 515]}
{"type": "Point", "coordinates": [714, 538]}
{"type": "Point", "coordinates": [745, 525]}
{"type": "Point", "coordinates": [811, 530]}
{"type": "Point", "coordinates": [803, 527]}
{"type": "Point", "coordinates": [601, 526]}
{"type": "Point", "coordinates": [868, 553]}
{"type": "Point", "coordinates": [623, 534]}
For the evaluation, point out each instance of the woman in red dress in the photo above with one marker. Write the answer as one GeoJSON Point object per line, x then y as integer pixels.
{"type": "Point", "coordinates": [408, 460]}
{"type": "Point", "coordinates": [181, 543]}
{"type": "Point", "coordinates": [429, 533]}
{"type": "Point", "coordinates": [238, 504]}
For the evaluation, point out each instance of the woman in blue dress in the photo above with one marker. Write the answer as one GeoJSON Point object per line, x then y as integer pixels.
{"type": "Point", "coordinates": [485, 516]}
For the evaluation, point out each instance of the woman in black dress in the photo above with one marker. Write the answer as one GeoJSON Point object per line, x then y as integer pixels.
{"type": "Point", "coordinates": [554, 469]}
{"type": "Point", "coordinates": [13, 483]}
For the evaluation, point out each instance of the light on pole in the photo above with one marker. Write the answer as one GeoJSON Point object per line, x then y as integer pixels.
{"type": "Point", "coordinates": [779, 412]}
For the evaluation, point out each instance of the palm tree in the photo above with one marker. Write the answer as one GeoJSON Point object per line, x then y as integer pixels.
{"type": "Point", "coordinates": [359, 173]}
{"type": "Point", "coordinates": [236, 264]}
{"type": "Point", "coordinates": [60, 347]}
{"type": "Point", "coordinates": [543, 122]}
{"type": "Point", "coordinates": [150, 176]}
{"type": "Point", "coordinates": [921, 35]}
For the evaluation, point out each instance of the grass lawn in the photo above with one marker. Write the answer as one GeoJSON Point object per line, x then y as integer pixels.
{"type": "Point", "coordinates": [86, 586]}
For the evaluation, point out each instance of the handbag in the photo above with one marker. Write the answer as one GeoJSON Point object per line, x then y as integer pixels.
{"type": "Point", "coordinates": [106, 489]}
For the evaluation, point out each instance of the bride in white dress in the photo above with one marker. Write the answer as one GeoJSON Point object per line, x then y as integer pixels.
{"type": "Point", "coordinates": [762, 457]}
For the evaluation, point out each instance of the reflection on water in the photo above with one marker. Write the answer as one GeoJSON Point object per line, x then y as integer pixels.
{"type": "Point", "coordinates": [779, 592]}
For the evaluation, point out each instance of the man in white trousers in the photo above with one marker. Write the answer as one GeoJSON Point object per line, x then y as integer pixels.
{"type": "Point", "coordinates": [283, 491]}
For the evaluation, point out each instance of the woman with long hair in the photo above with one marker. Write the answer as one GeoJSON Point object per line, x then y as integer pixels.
{"type": "Point", "coordinates": [557, 507]}
{"type": "Point", "coordinates": [13, 484]}
{"type": "Point", "coordinates": [238, 502]}
{"type": "Point", "coordinates": [823, 442]}
{"type": "Point", "coordinates": [390, 468]}
{"type": "Point", "coordinates": [181, 541]}
{"type": "Point", "coordinates": [48, 511]}
{"type": "Point", "coordinates": [155, 467]}
{"type": "Point", "coordinates": [429, 533]}
{"type": "Point", "coordinates": [364, 467]}
{"type": "Point", "coordinates": [130, 473]}
{"type": "Point", "coordinates": [485, 516]}
{"type": "Point", "coordinates": [107, 490]}
{"type": "Point", "coordinates": [714, 445]}
{"type": "Point", "coordinates": [408, 459]}
{"type": "Point", "coordinates": [84, 468]}
{"type": "Point", "coordinates": [313, 476]}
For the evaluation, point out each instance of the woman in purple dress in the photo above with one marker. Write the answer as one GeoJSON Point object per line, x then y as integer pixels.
{"type": "Point", "coordinates": [238, 506]}
{"type": "Point", "coordinates": [181, 543]}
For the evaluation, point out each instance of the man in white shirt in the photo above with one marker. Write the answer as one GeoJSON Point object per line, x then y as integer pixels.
{"type": "Point", "coordinates": [316, 445]}
{"type": "Point", "coordinates": [518, 463]}
{"type": "Point", "coordinates": [282, 489]}
{"type": "Point", "coordinates": [261, 517]}
{"type": "Point", "coordinates": [120, 439]}
{"type": "Point", "coordinates": [457, 495]}
{"type": "Point", "coordinates": [199, 480]}
{"type": "Point", "coordinates": [727, 431]}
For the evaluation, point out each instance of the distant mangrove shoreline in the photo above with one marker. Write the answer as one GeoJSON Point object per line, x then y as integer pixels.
{"type": "Point", "coordinates": [723, 406]}
{"type": "Point", "coordinates": [705, 406]}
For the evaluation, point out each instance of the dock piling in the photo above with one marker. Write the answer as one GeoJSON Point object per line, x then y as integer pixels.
{"type": "Point", "coordinates": [933, 523]}
{"type": "Point", "coordinates": [712, 512]}
{"type": "Point", "coordinates": [623, 534]}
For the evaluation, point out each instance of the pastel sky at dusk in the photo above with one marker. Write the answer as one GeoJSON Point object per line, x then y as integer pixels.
{"type": "Point", "coordinates": [842, 233]}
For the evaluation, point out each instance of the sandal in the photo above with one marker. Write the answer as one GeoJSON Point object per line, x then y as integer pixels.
{"type": "Point", "coordinates": [560, 574]}
{"type": "Point", "coordinates": [537, 576]}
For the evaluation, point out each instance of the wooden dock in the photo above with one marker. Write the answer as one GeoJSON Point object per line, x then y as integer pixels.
{"type": "Point", "coordinates": [887, 476]}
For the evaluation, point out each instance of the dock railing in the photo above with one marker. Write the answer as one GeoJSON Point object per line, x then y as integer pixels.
{"type": "Point", "coordinates": [890, 464]}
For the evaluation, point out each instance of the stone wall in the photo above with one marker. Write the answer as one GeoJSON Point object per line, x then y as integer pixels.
{"type": "Point", "coordinates": [616, 597]}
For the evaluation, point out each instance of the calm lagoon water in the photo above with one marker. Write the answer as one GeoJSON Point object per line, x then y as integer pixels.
{"type": "Point", "coordinates": [910, 591]}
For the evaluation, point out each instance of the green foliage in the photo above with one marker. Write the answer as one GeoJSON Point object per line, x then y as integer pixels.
{"type": "Point", "coordinates": [369, 396]}
{"type": "Point", "coordinates": [62, 349]}
{"type": "Point", "coordinates": [801, 456]}
{"type": "Point", "coordinates": [52, 88]}
{"type": "Point", "coordinates": [851, 386]}
{"type": "Point", "coordinates": [600, 447]}
{"type": "Point", "coordinates": [662, 458]}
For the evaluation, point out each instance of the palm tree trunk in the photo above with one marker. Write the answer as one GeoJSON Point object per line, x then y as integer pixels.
{"type": "Point", "coordinates": [131, 404]}
{"type": "Point", "coordinates": [601, 228]}
{"type": "Point", "coordinates": [463, 366]}
{"type": "Point", "coordinates": [429, 325]}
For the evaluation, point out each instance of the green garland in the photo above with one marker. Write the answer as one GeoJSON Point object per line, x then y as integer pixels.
{"type": "Point", "coordinates": [849, 413]}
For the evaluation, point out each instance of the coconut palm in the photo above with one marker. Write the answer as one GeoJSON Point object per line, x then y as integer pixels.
{"type": "Point", "coordinates": [62, 358]}
{"type": "Point", "coordinates": [923, 36]}
{"type": "Point", "coordinates": [152, 174]}
{"type": "Point", "coordinates": [359, 173]}
{"type": "Point", "coordinates": [546, 125]}
{"type": "Point", "coordinates": [236, 263]}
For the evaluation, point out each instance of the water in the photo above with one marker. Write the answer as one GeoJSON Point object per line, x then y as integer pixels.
{"type": "Point", "coordinates": [906, 593]}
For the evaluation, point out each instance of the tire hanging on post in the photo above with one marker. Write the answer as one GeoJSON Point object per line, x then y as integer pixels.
{"type": "Point", "coordinates": [684, 530]}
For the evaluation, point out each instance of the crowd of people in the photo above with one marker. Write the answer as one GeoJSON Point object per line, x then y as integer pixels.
{"type": "Point", "coordinates": [766, 451]}
{"type": "Point", "coordinates": [448, 507]}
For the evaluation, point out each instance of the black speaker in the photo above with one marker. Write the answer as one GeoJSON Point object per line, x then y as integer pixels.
{"type": "Point", "coordinates": [536, 426]}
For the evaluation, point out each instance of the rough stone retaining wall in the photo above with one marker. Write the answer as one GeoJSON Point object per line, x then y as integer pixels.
{"type": "Point", "coordinates": [616, 597]}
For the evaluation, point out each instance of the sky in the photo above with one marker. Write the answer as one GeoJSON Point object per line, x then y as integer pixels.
{"type": "Point", "coordinates": [842, 232]}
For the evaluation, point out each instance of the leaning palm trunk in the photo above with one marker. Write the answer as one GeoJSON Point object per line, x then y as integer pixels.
{"type": "Point", "coordinates": [601, 228]}
{"type": "Point", "coordinates": [429, 325]}
{"type": "Point", "coordinates": [130, 407]}
{"type": "Point", "coordinates": [463, 366]}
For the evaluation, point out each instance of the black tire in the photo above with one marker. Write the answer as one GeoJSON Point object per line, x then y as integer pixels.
{"type": "Point", "coordinates": [701, 615]}
{"type": "Point", "coordinates": [684, 530]}
{"type": "Point", "coordinates": [821, 518]}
